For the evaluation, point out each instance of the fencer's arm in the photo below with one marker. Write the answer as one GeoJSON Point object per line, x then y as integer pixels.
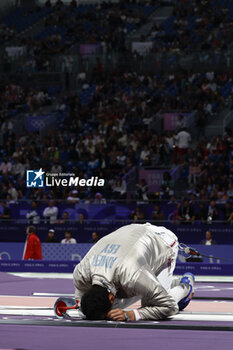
{"type": "Point", "coordinates": [124, 302]}
{"type": "Point", "coordinates": [156, 302]}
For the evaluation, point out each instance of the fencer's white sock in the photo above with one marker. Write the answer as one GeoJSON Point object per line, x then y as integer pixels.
{"type": "Point", "coordinates": [179, 292]}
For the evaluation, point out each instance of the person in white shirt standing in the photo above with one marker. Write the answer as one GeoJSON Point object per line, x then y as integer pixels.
{"type": "Point", "coordinates": [50, 213]}
{"type": "Point", "coordinates": [33, 217]}
{"type": "Point", "coordinates": [183, 139]}
{"type": "Point", "coordinates": [68, 239]}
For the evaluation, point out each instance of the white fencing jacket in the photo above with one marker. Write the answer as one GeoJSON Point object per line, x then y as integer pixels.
{"type": "Point", "coordinates": [128, 262]}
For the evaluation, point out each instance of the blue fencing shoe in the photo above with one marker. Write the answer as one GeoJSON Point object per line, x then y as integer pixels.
{"type": "Point", "coordinates": [188, 278]}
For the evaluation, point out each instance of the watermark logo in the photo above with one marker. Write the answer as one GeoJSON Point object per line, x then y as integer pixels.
{"type": "Point", "coordinates": [35, 178]}
{"type": "Point", "coordinates": [38, 178]}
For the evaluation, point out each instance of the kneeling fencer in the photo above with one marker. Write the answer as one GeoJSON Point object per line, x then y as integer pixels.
{"type": "Point", "coordinates": [135, 262]}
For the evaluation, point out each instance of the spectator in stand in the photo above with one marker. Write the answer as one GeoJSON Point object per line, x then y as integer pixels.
{"type": "Point", "coordinates": [114, 128]}
{"type": "Point", "coordinates": [56, 168]}
{"type": "Point", "coordinates": [208, 239]}
{"type": "Point", "coordinates": [137, 215]}
{"type": "Point", "coordinates": [228, 213]}
{"type": "Point", "coordinates": [230, 191]}
{"type": "Point", "coordinates": [68, 239]}
{"type": "Point", "coordinates": [202, 213]}
{"type": "Point", "coordinates": [99, 199]}
{"type": "Point", "coordinates": [20, 186]}
{"type": "Point", "coordinates": [48, 3]}
{"type": "Point", "coordinates": [7, 129]}
{"type": "Point", "coordinates": [190, 156]}
{"type": "Point", "coordinates": [212, 144]}
{"type": "Point", "coordinates": [166, 190]}
{"type": "Point", "coordinates": [184, 172]}
{"type": "Point", "coordinates": [119, 188]}
{"type": "Point", "coordinates": [51, 237]}
{"type": "Point", "coordinates": [175, 214]}
{"type": "Point", "coordinates": [4, 190]}
{"type": "Point", "coordinates": [64, 219]}
{"type": "Point", "coordinates": [142, 190]}
{"type": "Point", "coordinates": [186, 213]}
{"type": "Point", "coordinates": [99, 66]}
{"type": "Point", "coordinates": [6, 213]}
{"type": "Point", "coordinates": [144, 155]}
{"type": "Point", "coordinates": [33, 216]}
{"type": "Point", "coordinates": [73, 197]}
{"type": "Point", "coordinates": [173, 200]}
{"type": "Point", "coordinates": [32, 249]}
{"type": "Point", "coordinates": [13, 192]}
{"type": "Point", "coordinates": [6, 166]}
{"type": "Point", "coordinates": [95, 237]}
{"type": "Point", "coordinates": [9, 200]}
{"type": "Point", "coordinates": [59, 4]}
{"type": "Point", "coordinates": [73, 3]}
{"type": "Point", "coordinates": [50, 213]}
{"type": "Point", "coordinates": [213, 213]}
{"type": "Point", "coordinates": [81, 223]}
{"type": "Point", "coordinates": [192, 196]}
{"type": "Point", "coordinates": [222, 196]}
{"type": "Point", "coordinates": [183, 139]}
{"type": "Point", "coordinates": [81, 219]}
{"type": "Point", "coordinates": [194, 171]}
{"type": "Point", "coordinates": [180, 123]}
{"type": "Point", "coordinates": [157, 214]}
{"type": "Point", "coordinates": [18, 169]}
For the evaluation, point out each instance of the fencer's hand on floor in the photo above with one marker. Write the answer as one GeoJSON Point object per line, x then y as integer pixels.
{"type": "Point", "coordinates": [120, 315]}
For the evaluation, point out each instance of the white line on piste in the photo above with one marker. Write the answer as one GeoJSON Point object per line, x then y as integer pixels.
{"type": "Point", "coordinates": [201, 317]}
{"type": "Point", "coordinates": [74, 314]}
{"type": "Point", "coordinates": [208, 279]}
{"type": "Point", "coordinates": [42, 275]}
{"type": "Point", "coordinates": [9, 307]}
{"type": "Point", "coordinates": [53, 294]}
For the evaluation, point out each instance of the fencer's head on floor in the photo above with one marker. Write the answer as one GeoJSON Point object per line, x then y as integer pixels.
{"type": "Point", "coordinates": [97, 302]}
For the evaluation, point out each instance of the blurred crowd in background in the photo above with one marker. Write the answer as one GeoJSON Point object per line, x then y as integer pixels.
{"type": "Point", "coordinates": [113, 124]}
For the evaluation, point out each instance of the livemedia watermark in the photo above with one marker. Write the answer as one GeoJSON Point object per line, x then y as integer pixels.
{"type": "Point", "coordinates": [38, 178]}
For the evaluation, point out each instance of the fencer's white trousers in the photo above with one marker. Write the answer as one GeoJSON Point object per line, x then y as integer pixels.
{"type": "Point", "coordinates": [172, 284]}
{"type": "Point", "coordinates": [166, 275]}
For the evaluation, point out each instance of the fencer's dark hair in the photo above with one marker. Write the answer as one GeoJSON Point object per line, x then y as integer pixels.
{"type": "Point", "coordinates": [95, 303]}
